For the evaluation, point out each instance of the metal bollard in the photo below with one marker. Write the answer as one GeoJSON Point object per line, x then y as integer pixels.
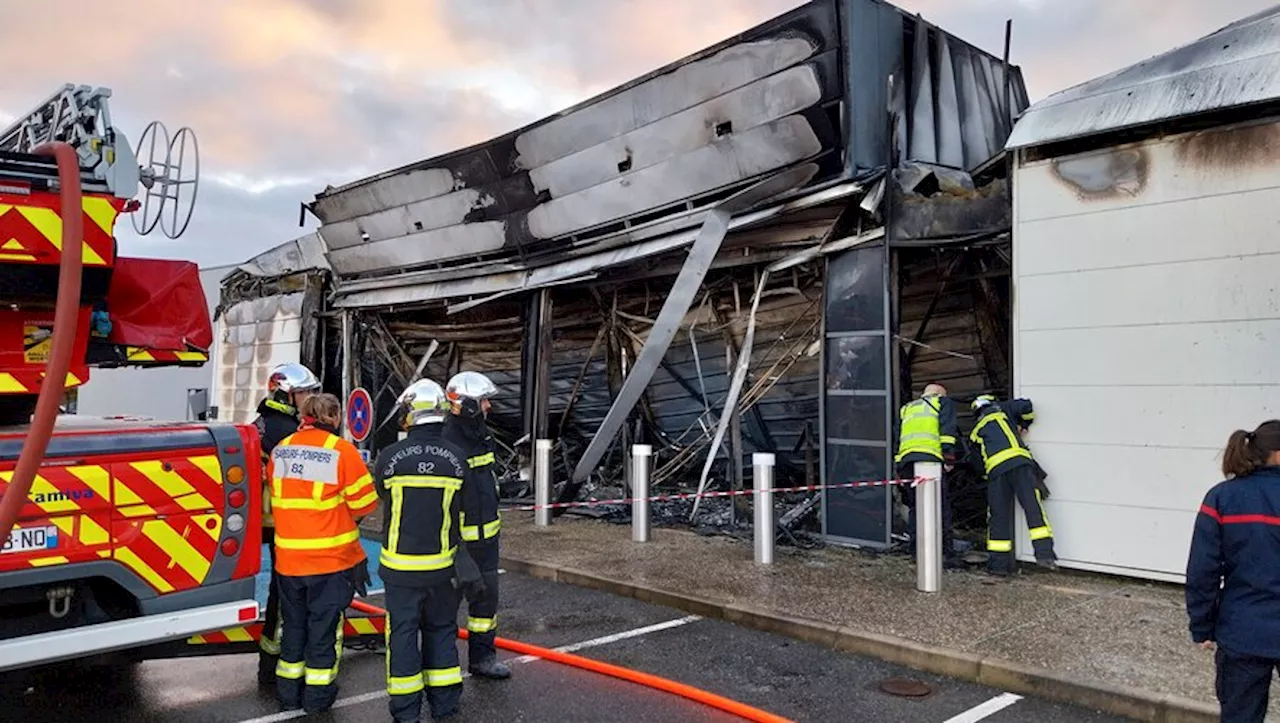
{"type": "Point", "coordinates": [640, 528]}
{"type": "Point", "coordinates": [762, 476]}
{"type": "Point", "coordinates": [928, 526]}
{"type": "Point", "coordinates": [542, 482]}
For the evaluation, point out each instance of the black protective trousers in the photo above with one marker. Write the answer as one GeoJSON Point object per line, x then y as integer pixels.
{"type": "Point", "coordinates": [482, 611]}
{"type": "Point", "coordinates": [313, 608]}
{"type": "Point", "coordinates": [1016, 484]}
{"type": "Point", "coordinates": [269, 643]}
{"type": "Point", "coordinates": [1244, 686]}
{"type": "Point", "coordinates": [428, 614]}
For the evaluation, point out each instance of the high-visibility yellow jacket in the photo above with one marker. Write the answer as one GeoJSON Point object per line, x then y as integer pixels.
{"type": "Point", "coordinates": [319, 488]}
{"type": "Point", "coordinates": [928, 431]}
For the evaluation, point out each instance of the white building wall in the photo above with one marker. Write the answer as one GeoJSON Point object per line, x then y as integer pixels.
{"type": "Point", "coordinates": [159, 393]}
{"type": "Point", "coordinates": [250, 339]}
{"type": "Point", "coordinates": [1146, 329]}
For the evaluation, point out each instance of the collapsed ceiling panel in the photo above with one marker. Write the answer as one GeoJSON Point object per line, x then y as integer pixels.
{"type": "Point", "coordinates": [718, 119]}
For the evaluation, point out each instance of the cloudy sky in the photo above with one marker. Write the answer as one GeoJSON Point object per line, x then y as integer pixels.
{"type": "Point", "coordinates": [288, 96]}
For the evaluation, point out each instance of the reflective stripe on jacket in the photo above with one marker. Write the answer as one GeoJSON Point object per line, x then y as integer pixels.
{"type": "Point", "coordinates": [319, 487]}
{"type": "Point", "coordinates": [927, 431]}
{"type": "Point", "coordinates": [998, 438]}
{"type": "Point", "coordinates": [480, 518]}
{"type": "Point", "coordinates": [419, 479]}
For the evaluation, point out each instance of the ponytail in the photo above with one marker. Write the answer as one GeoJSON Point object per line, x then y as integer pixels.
{"type": "Point", "coordinates": [1247, 452]}
{"type": "Point", "coordinates": [324, 408]}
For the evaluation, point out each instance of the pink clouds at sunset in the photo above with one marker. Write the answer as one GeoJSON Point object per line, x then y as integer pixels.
{"type": "Point", "coordinates": [290, 95]}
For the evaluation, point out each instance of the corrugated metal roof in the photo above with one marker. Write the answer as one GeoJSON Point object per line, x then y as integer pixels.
{"type": "Point", "coordinates": [1236, 66]}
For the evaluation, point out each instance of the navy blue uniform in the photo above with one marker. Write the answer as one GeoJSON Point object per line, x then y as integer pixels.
{"type": "Point", "coordinates": [1233, 588]}
{"type": "Point", "coordinates": [1011, 476]}
{"type": "Point", "coordinates": [420, 480]}
{"type": "Point", "coordinates": [481, 528]}
{"type": "Point", "coordinates": [276, 420]}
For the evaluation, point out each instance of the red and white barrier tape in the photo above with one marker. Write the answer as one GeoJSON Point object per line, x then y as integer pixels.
{"type": "Point", "coordinates": [728, 493]}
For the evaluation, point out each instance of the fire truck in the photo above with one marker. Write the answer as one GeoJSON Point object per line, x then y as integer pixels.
{"type": "Point", "coordinates": [116, 533]}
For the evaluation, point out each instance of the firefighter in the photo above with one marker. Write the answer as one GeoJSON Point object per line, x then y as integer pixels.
{"type": "Point", "coordinates": [287, 388]}
{"type": "Point", "coordinates": [1011, 476]}
{"type": "Point", "coordinates": [469, 394]}
{"type": "Point", "coordinates": [1232, 590]}
{"type": "Point", "coordinates": [419, 480]}
{"type": "Point", "coordinates": [928, 434]}
{"type": "Point", "coordinates": [320, 488]}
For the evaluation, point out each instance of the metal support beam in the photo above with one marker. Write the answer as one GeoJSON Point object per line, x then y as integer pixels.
{"type": "Point", "coordinates": [348, 366]}
{"type": "Point", "coordinates": [682, 294]}
{"type": "Point", "coordinates": [528, 366]}
{"type": "Point", "coordinates": [542, 375]}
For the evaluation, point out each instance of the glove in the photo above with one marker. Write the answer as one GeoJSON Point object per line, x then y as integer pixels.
{"type": "Point", "coordinates": [467, 577]}
{"type": "Point", "coordinates": [360, 578]}
{"type": "Point", "coordinates": [1041, 476]}
{"type": "Point", "coordinates": [1043, 489]}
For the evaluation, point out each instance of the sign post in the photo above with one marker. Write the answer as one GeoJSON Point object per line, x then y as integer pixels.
{"type": "Point", "coordinates": [359, 415]}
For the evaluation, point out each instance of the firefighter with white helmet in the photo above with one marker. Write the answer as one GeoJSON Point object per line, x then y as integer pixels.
{"type": "Point", "coordinates": [420, 481]}
{"type": "Point", "coordinates": [287, 387]}
{"type": "Point", "coordinates": [469, 395]}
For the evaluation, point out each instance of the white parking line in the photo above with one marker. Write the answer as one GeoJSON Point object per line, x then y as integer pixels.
{"type": "Point", "coordinates": [614, 638]}
{"type": "Point", "coordinates": [595, 642]}
{"type": "Point", "coordinates": [990, 708]}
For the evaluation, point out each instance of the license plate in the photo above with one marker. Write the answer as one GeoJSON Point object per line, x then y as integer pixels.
{"type": "Point", "coordinates": [26, 539]}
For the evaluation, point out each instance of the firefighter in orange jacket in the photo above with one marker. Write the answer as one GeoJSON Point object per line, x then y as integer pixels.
{"type": "Point", "coordinates": [320, 487]}
{"type": "Point", "coordinates": [288, 387]}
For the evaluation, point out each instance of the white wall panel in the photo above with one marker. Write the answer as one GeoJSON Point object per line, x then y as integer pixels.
{"type": "Point", "coordinates": [1169, 417]}
{"type": "Point", "coordinates": [1173, 293]}
{"type": "Point", "coordinates": [1127, 540]}
{"type": "Point", "coordinates": [1146, 329]}
{"type": "Point", "coordinates": [1212, 227]}
{"type": "Point", "coordinates": [1229, 352]}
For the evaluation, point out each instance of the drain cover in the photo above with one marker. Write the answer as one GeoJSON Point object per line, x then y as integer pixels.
{"type": "Point", "coordinates": [905, 688]}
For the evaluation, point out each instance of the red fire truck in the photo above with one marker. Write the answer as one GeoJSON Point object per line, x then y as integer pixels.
{"type": "Point", "coordinates": [116, 533]}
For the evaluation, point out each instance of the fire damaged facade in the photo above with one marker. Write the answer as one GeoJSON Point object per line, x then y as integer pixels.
{"type": "Point", "coordinates": [764, 247]}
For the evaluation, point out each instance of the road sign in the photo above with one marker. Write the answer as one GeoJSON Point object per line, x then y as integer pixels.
{"type": "Point", "coordinates": [359, 414]}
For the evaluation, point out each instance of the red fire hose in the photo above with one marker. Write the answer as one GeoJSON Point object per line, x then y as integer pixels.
{"type": "Point", "coordinates": [64, 337]}
{"type": "Point", "coordinates": [688, 692]}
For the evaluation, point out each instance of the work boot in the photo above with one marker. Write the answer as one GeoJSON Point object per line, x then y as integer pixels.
{"type": "Point", "coordinates": [490, 668]}
{"type": "Point", "coordinates": [1049, 565]}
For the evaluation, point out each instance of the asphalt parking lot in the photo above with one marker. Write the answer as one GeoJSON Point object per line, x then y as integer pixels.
{"type": "Point", "coordinates": [777, 674]}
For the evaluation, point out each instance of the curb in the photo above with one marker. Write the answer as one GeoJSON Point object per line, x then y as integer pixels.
{"type": "Point", "coordinates": [1134, 703]}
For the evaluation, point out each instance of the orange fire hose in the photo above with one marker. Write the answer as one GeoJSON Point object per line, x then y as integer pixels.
{"type": "Point", "coordinates": [65, 320]}
{"type": "Point", "coordinates": [665, 685]}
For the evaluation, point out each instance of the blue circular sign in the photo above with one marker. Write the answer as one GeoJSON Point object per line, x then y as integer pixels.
{"type": "Point", "coordinates": [359, 414]}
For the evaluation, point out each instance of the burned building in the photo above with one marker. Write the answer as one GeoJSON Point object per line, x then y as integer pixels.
{"type": "Point", "coordinates": [765, 246]}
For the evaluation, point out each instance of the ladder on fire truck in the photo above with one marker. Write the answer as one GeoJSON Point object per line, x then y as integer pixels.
{"type": "Point", "coordinates": [80, 115]}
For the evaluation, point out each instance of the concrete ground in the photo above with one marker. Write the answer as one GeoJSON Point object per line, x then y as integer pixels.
{"type": "Point", "coordinates": [1093, 629]}
{"type": "Point", "coordinates": [779, 674]}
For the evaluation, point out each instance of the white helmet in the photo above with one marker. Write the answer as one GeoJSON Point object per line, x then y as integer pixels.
{"type": "Point", "coordinates": [424, 402]}
{"type": "Point", "coordinates": [466, 390]}
{"type": "Point", "coordinates": [289, 378]}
